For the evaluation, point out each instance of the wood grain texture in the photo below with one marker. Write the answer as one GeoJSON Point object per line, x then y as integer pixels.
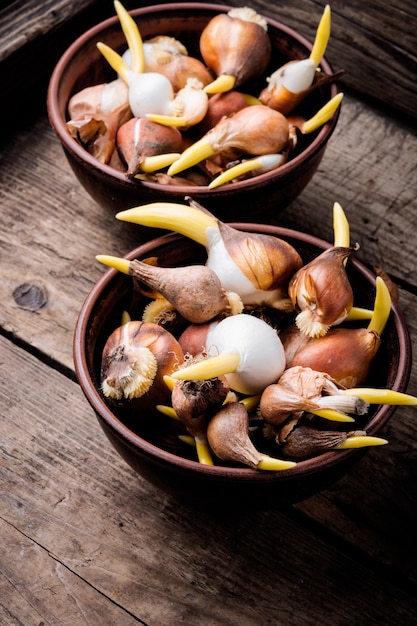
{"type": "Point", "coordinates": [86, 540]}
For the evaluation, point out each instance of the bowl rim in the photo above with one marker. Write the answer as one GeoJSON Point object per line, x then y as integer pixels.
{"type": "Point", "coordinates": [315, 464]}
{"type": "Point", "coordinates": [74, 148]}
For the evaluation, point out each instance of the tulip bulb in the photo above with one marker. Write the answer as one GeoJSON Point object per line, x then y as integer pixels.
{"type": "Point", "coordinates": [95, 115]}
{"type": "Point", "coordinates": [301, 389]}
{"type": "Point", "coordinates": [346, 354]}
{"type": "Point", "coordinates": [144, 145]}
{"type": "Point", "coordinates": [292, 82]}
{"type": "Point", "coordinates": [304, 442]}
{"type": "Point", "coordinates": [228, 437]}
{"type": "Point", "coordinates": [169, 57]}
{"type": "Point", "coordinates": [258, 267]}
{"type": "Point", "coordinates": [188, 107]}
{"type": "Point", "coordinates": [321, 292]}
{"type": "Point", "coordinates": [149, 92]}
{"type": "Point", "coordinates": [195, 291]}
{"type": "Point", "coordinates": [254, 130]}
{"type": "Point", "coordinates": [236, 46]}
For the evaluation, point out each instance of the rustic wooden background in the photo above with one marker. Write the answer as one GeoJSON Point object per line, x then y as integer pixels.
{"type": "Point", "coordinates": [86, 541]}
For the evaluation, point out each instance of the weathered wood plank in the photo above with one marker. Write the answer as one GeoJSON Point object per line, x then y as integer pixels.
{"type": "Point", "coordinates": [37, 588]}
{"type": "Point", "coordinates": [24, 21]}
{"type": "Point", "coordinates": [85, 535]}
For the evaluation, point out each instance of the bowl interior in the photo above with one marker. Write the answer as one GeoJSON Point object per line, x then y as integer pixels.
{"type": "Point", "coordinates": [155, 435]}
{"type": "Point", "coordinates": [82, 65]}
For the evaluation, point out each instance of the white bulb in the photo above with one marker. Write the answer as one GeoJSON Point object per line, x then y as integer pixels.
{"type": "Point", "coordinates": [149, 92]}
{"type": "Point", "coordinates": [262, 357]}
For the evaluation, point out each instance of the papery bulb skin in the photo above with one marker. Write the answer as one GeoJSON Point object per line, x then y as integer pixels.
{"type": "Point", "coordinates": [278, 403]}
{"type": "Point", "coordinates": [193, 339]}
{"type": "Point", "coordinates": [135, 358]}
{"type": "Point", "coordinates": [321, 292]}
{"type": "Point", "coordinates": [288, 85]}
{"type": "Point", "coordinates": [95, 114]}
{"type": "Point", "coordinates": [236, 44]}
{"type": "Point", "coordinates": [228, 435]}
{"type": "Point", "coordinates": [305, 442]}
{"type": "Point", "coordinates": [170, 57]}
{"type": "Point", "coordinates": [258, 266]}
{"type": "Point", "coordinates": [293, 340]}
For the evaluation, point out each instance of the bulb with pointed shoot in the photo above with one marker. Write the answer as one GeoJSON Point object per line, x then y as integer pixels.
{"type": "Point", "coordinates": [148, 92]}
{"type": "Point", "coordinates": [347, 354]}
{"type": "Point", "coordinates": [228, 437]}
{"type": "Point", "coordinates": [170, 57]}
{"type": "Point", "coordinates": [292, 82]}
{"type": "Point", "coordinates": [195, 401]}
{"type": "Point", "coordinates": [302, 441]}
{"type": "Point", "coordinates": [254, 130]}
{"type": "Point", "coordinates": [258, 267]}
{"type": "Point", "coordinates": [145, 146]}
{"type": "Point", "coordinates": [244, 349]}
{"type": "Point", "coordinates": [301, 389]}
{"type": "Point", "coordinates": [194, 291]}
{"type": "Point", "coordinates": [188, 107]}
{"type": "Point", "coordinates": [236, 46]}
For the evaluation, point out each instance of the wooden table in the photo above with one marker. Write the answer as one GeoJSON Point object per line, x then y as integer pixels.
{"type": "Point", "coordinates": [84, 539]}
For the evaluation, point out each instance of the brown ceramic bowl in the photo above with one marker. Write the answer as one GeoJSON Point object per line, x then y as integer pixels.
{"type": "Point", "coordinates": [82, 65]}
{"type": "Point", "coordinates": [151, 446]}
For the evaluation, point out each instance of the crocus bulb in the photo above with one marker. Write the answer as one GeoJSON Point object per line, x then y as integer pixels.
{"type": "Point", "coordinates": [321, 292]}
{"type": "Point", "coordinates": [135, 359]}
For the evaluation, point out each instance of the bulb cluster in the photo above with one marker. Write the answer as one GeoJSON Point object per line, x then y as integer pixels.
{"type": "Point", "coordinates": [168, 113]}
{"type": "Point", "coordinates": [251, 353]}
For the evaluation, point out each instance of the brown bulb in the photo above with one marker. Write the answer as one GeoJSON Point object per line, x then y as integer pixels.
{"type": "Point", "coordinates": [236, 44]}
{"type": "Point", "coordinates": [140, 138]}
{"type": "Point", "coordinates": [135, 359]}
{"type": "Point", "coordinates": [346, 354]}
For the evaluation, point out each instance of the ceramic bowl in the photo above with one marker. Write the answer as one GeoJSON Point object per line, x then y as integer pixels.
{"type": "Point", "coordinates": [150, 444]}
{"type": "Point", "coordinates": [248, 200]}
